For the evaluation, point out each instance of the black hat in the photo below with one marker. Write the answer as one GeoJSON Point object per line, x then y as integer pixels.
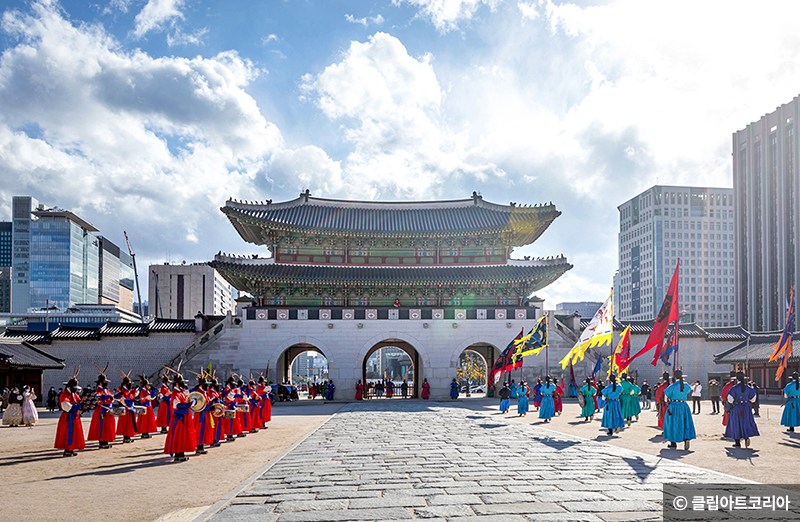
{"type": "Point", "coordinates": [165, 378]}
{"type": "Point", "coordinates": [143, 380]}
{"type": "Point", "coordinates": [101, 377]}
{"type": "Point", "coordinates": [733, 373]}
{"type": "Point", "coordinates": [665, 376]}
{"type": "Point", "coordinates": [795, 376]}
{"type": "Point", "coordinates": [740, 376]}
{"type": "Point", "coordinates": [613, 376]}
{"type": "Point", "coordinates": [588, 380]}
{"type": "Point", "coordinates": [678, 374]}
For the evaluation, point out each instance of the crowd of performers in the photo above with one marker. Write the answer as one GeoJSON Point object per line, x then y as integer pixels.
{"type": "Point", "coordinates": [619, 403]}
{"type": "Point", "coordinates": [192, 418]}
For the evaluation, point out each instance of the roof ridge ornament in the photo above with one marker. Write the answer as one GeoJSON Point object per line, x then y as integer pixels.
{"type": "Point", "coordinates": [305, 195]}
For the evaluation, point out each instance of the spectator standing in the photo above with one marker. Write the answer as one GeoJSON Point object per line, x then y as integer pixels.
{"type": "Point", "coordinates": [713, 392]}
{"type": "Point", "coordinates": [757, 402]}
{"type": "Point", "coordinates": [645, 395]}
{"type": "Point", "coordinates": [52, 399]}
{"type": "Point", "coordinates": [697, 391]}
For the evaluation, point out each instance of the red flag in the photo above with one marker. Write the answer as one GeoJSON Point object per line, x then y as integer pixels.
{"type": "Point", "coordinates": [571, 376]}
{"type": "Point", "coordinates": [669, 313]}
{"type": "Point", "coordinates": [506, 363]}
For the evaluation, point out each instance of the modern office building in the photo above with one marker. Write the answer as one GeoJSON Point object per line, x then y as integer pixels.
{"type": "Point", "coordinates": [765, 181]}
{"type": "Point", "coordinates": [21, 207]}
{"type": "Point", "coordinates": [5, 289]}
{"type": "Point", "coordinates": [5, 243]}
{"type": "Point", "coordinates": [182, 291]}
{"type": "Point", "coordinates": [583, 308]}
{"type": "Point", "coordinates": [667, 223]}
{"type": "Point", "coordinates": [64, 260]}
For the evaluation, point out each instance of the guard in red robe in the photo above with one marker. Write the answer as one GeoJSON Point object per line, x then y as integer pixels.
{"type": "Point", "coordinates": [359, 391]}
{"type": "Point", "coordinates": [146, 422]}
{"type": "Point", "coordinates": [724, 396]}
{"type": "Point", "coordinates": [218, 426]}
{"type": "Point", "coordinates": [558, 405]}
{"type": "Point", "coordinates": [426, 390]}
{"type": "Point", "coordinates": [69, 433]}
{"type": "Point", "coordinates": [103, 427]}
{"type": "Point", "coordinates": [661, 399]}
{"type": "Point", "coordinates": [263, 390]}
{"type": "Point", "coordinates": [233, 427]}
{"type": "Point", "coordinates": [241, 397]}
{"type": "Point", "coordinates": [181, 437]}
{"type": "Point", "coordinates": [202, 419]}
{"type": "Point", "coordinates": [164, 405]}
{"type": "Point", "coordinates": [255, 407]}
{"type": "Point", "coordinates": [126, 425]}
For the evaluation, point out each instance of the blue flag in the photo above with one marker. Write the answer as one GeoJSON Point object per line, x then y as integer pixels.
{"type": "Point", "coordinates": [597, 365]}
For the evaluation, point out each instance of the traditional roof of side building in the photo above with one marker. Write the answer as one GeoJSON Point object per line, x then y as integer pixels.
{"type": "Point", "coordinates": [242, 272]}
{"type": "Point", "coordinates": [109, 329]}
{"type": "Point", "coordinates": [723, 333]}
{"type": "Point", "coordinates": [258, 223]}
{"type": "Point", "coordinates": [20, 354]}
{"type": "Point", "coordinates": [758, 350]}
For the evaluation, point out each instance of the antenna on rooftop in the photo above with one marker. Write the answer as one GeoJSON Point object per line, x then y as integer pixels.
{"type": "Point", "coordinates": [135, 276]}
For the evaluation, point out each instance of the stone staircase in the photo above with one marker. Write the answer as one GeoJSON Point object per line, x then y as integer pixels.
{"type": "Point", "coordinates": [201, 343]}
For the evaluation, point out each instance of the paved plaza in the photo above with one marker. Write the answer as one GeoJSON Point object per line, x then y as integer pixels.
{"type": "Point", "coordinates": [426, 460]}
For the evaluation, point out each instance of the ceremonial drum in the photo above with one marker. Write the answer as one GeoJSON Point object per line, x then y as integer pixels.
{"type": "Point", "coordinates": [117, 411]}
{"type": "Point", "coordinates": [140, 410]}
{"type": "Point", "coordinates": [229, 414]}
{"type": "Point", "coordinates": [244, 408]}
{"type": "Point", "coordinates": [581, 400]}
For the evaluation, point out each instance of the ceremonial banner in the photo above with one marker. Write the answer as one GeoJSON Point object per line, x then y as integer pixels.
{"type": "Point", "coordinates": [672, 344]}
{"type": "Point", "coordinates": [506, 362]}
{"type": "Point", "coordinates": [619, 357]}
{"type": "Point", "coordinates": [600, 331]}
{"type": "Point", "coordinates": [669, 313]}
{"type": "Point", "coordinates": [784, 346]}
{"type": "Point", "coordinates": [534, 342]}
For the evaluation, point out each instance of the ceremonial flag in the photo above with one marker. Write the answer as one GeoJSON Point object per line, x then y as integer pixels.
{"type": "Point", "coordinates": [506, 362]}
{"type": "Point", "coordinates": [619, 357]}
{"type": "Point", "coordinates": [600, 331]}
{"type": "Point", "coordinates": [597, 365]}
{"type": "Point", "coordinates": [209, 368]}
{"type": "Point", "coordinates": [669, 313]}
{"type": "Point", "coordinates": [534, 342]}
{"type": "Point", "coordinates": [672, 344]}
{"type": "Point", "coordinates": [784, 346]}
{"type": "Point", "coordinates": [572, 376]}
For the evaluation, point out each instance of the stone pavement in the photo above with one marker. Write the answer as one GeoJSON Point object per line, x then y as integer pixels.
{"type": "Point", "coordinates": [401, 460]}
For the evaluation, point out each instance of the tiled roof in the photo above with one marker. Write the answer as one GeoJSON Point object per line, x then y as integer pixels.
{"type": "Point", "coordinates": [20, 354]}
{"type": "Point", "coordinates": [75, 333]}
{"type": "Point", "coordinates": [729, 333]}
{"type": "Point", "coordinates": [759, 350]}
{"type": "Point", "coordinates": [370, 218]}
{"type": "Point", "coordinates": [171, 325]}
{"type": "Point", "coordinates": [326, 275]}
{"type": "Point", "coordinates": [28, 337]}
{"type": "Point", "coordinates": [123, 329]}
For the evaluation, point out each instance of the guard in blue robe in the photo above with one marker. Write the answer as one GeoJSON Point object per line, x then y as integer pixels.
{"type": "Point", "coordinates": [678, 423]}
{"type": "Point", "coordinates": [331, 388]}
{"type": "Point", "coordinates": [505, 403]}
{"type": "Point", "coordinates": [547, 407]}
{"type": "Point", "coordinates": [588, 392]}
{"type": "Point", "coordinates": [454, 389]}
{"type": "Point", "coordinates": [741, 424]}
{"type": "Point", "coordinates": [522, 399]}
{"type": "Point", "coordinates": [513, 389]}
{"type": "Point", "coordinates": [612, 414]}
{"type": "Point", "coordinates": [791, 410]}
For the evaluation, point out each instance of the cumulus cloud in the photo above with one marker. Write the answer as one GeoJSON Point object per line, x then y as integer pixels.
{"type": "Point", "coordinates": [446, 14]}
{"type": "Point", "coordinates": [377, 20]}
{"type": "Point", "coordinates": [389, 105]}
{"type": "Point", "coordinates": [155, 143]}
{"type": "Point", "coordinates": [156, 14]}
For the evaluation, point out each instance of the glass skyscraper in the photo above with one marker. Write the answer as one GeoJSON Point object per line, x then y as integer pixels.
{"type": "Point", "coordinates": [667, 223]}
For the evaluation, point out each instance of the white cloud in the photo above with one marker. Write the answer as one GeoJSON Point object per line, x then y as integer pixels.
{"type": "Point", "coordinates": [154, 143]}
{"type": "Point", "coordinates": [389, 105]}
{"type": "Point", "coordinates": [269, 38]}
{"type": "Point", "coordinates": [155, 14]}
{"type": "Point", "coordinates": [377, 20]}
{"type": "Point", "coordinates": [178, 37]}
{"type": "Point", "coordinates": [446, 14]}
{"type": "Point", "coordinates": [307, 168]}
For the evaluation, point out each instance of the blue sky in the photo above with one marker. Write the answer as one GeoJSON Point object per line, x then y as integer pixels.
{"type": "Point", "coordinates": [146, 115]}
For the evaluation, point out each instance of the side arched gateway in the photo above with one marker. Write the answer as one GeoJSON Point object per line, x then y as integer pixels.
{"type": "Point", "coordinates": [393, 360]}
{"type": "Point", "coordinates": [295, 364]}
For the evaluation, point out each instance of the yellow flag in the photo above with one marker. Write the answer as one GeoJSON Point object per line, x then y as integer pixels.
{"type": "Point", "coordinates": [600, 331]}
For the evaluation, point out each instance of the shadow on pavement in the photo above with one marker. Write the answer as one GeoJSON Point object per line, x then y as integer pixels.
{"type": "Point", "coordinates": [742, 453]}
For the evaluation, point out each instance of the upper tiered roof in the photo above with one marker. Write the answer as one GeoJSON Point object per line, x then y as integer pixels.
{"type": "Point", "coordinates": [519, 225]}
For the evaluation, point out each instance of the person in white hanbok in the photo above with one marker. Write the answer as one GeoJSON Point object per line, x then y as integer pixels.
{"type": "Point", "coordinates": [13, 414]}
{"type": "Point", "coordinates": [29, 414]}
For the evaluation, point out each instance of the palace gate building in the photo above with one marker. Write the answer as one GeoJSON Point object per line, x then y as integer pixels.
{"type": "Point", "coordinates": [346, 278]}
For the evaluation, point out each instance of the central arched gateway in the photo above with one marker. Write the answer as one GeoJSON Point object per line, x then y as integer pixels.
{"type": "Point", "coordinates": [412, 374]}
{"type": "Point", "coordinates": [287, 358]}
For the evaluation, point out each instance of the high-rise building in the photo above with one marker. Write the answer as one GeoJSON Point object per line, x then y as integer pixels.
{"type": "Point", "coordinates": [5, 289]}
{"type": "Point", "coordinates": [182, 291]}
{"type": "Point", "coordinates": [765, 181]}
{"type": "Point", "coordinates": [64, 260]}
{"type": "Point", "coordinates": [584, 308]}
{"type": "Point", "coordinates": [5, 243]}
{"type": "Point", "coordinates": [667, 223]}
{"type": "Point", "coordinates": [21, 207]}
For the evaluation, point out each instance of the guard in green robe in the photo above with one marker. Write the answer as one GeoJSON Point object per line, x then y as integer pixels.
{"type": "Point", "coordinates": [588, 392]}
